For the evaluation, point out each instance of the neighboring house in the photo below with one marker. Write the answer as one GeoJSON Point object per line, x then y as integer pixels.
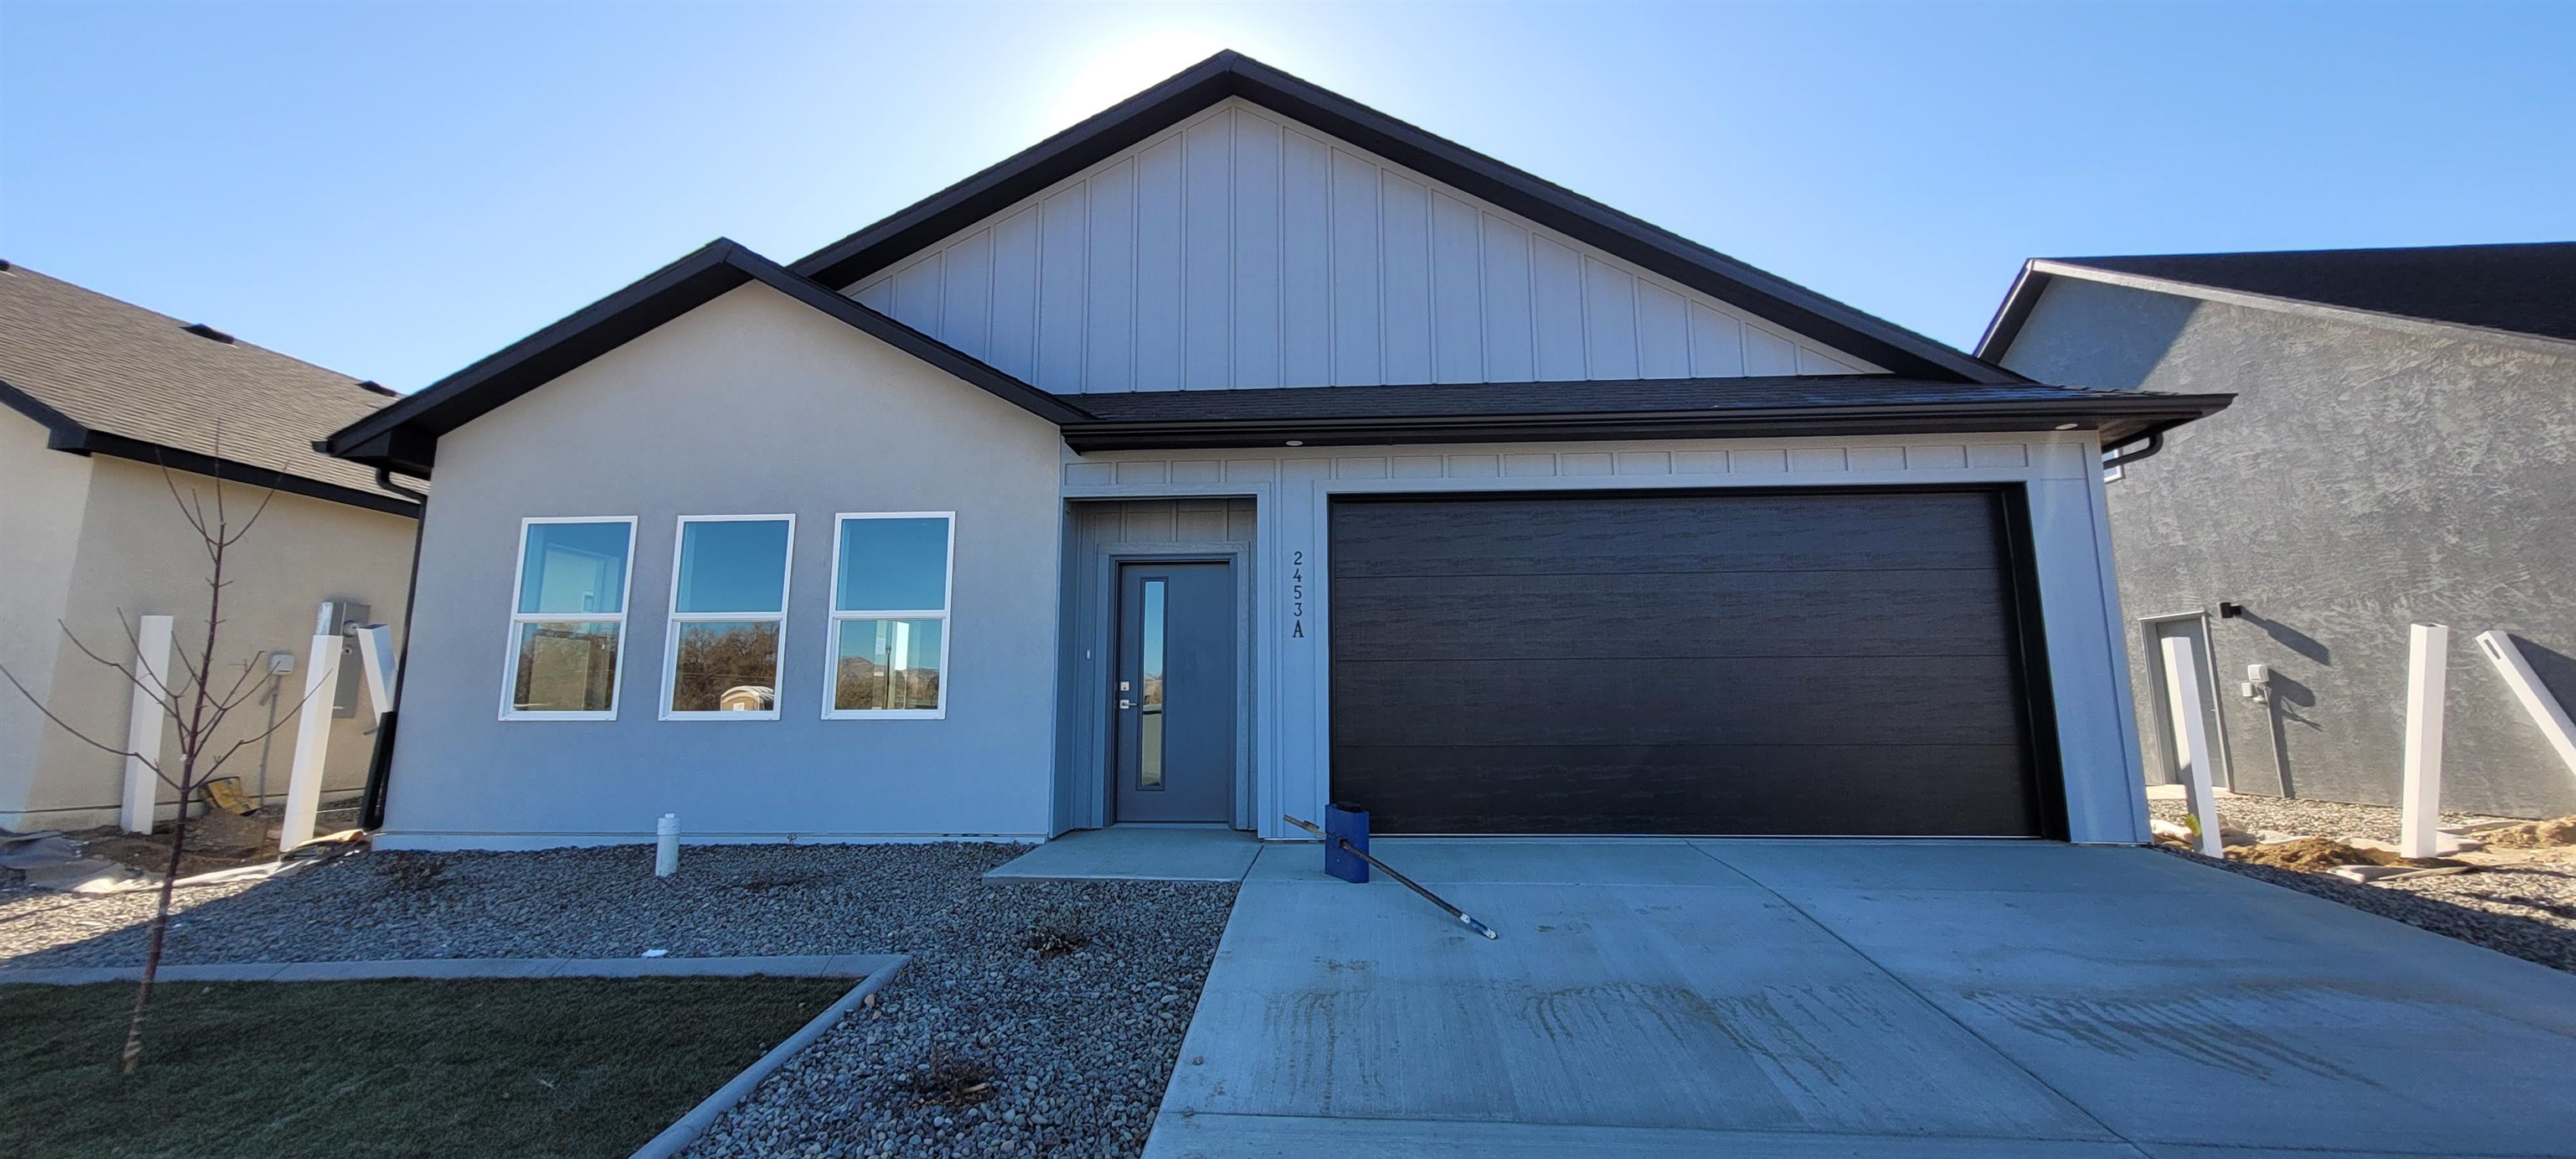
{"type": "Point", "coordinates": [97, 399]}
{"type": "Point", "coordinates": [1238, 450]}
{"type": "Point", "coordinates": [2403, 449]}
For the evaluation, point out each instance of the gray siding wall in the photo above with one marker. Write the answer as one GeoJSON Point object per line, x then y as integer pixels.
{"type": "Point", "coordinates": [1239, 249]}
{"type": "Point", "coordinates": [1293, 490]}
{"type": "Point", "coordinates": [1101, 534]}
{"type": "Point", "coordinates": [2366, 478]}
{"type": "Point", "coordinates": [751, 404]}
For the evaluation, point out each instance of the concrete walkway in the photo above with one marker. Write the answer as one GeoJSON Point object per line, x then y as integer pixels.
{"type": "Point", "coordinates": [1854, 999]}
{"type": "Point", "coordinates": [781, 966]}
{"type": "Point", "coordinates": [1136, 853]}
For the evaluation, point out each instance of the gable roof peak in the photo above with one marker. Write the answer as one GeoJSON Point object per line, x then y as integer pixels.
{"type": "Point", "coordinates": [1231, 74]}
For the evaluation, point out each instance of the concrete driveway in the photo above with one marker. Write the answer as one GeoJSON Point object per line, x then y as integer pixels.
{"type": "Point", "coordinates": [1852, 998]}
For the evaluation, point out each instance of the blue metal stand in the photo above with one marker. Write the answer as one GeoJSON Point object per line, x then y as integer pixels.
{"type": "Point", "coordinates": [1351, 824]}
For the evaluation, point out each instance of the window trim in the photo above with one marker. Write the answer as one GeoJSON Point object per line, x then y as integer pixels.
{"type": "Point", "coordinates": [834, 617]}
{"type": "Point", "coordinates": [674, 617]}
{"type": "Point", "coordinates": [510, 642]}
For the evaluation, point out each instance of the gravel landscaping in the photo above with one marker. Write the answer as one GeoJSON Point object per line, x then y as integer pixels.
{"type": "Point", "coordinates": [1036, 1018]}
{"type": "Point", "coordinates": [2518, 902]}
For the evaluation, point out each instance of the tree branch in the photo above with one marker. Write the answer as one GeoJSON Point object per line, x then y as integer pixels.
{"type": "Point", "coordinates": [84, 738]}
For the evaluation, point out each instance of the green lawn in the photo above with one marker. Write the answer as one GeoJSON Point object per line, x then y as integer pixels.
{"type": "Point", "coordinates": [552, 1067]}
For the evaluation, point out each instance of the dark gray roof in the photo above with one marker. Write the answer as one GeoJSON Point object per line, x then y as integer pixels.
{"type": "Point", "coordinates": [1640, 408]}
{"type": "Point", "coordinates": [2526, 288]}
{"type": "Point", "coordinates": [1560, 398]}
{"type": "Point", "coordinates": [110, 377]}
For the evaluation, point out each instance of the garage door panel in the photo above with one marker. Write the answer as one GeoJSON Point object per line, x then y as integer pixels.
{"type": "Point", "coordinates": [1901, 613]}
{"type": "Point", "coordinates": [1725, 700]}
{"type": "Point", "coordinates": [1724, 789]}
{"type": "Point", "coordinates": [1623, 535]}
{"type": "Point", "coordinates": [1808, 662]}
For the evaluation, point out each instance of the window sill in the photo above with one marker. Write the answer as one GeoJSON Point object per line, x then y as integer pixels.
{"type": "Point", "coordinates": [610, 715]}
{"type": "Point", "coordinates": [887, 714]}
{"type": "Point", "coordinates": [769, 715]}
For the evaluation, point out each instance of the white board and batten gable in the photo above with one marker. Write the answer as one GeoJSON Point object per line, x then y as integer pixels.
{"type": "Point", "coordinates": [1239, 249]}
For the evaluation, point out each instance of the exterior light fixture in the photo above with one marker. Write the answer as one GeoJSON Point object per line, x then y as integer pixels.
{"type": "Point", "coordinates": [1296, 442]}
{"type": "Point", "coordinates": [2066, 426]}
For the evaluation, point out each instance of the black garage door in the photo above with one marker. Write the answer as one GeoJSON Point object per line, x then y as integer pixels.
{"type": "Point", "coordinates": [1844, 662]}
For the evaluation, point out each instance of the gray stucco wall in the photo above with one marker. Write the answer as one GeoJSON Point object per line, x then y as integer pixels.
{"type": "Point", "coordinates": [751, 404]}
{"type": "Point", "coordinates": [2366, 478]}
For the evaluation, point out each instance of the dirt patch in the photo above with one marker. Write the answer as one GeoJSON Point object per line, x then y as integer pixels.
{"type": "Point", "coordinates": [151, 853]}
{"type": "Point", "coordinates": [2548, 834]}
{"type": "Point", "coordinates": [2319, 854]}
{"type": "Point", "coordinates": [1054, 941]}
{"type": "Point", "coordinates": [950, 1080]}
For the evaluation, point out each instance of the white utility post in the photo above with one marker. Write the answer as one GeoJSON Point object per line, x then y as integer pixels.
{"type": "Point", "coordinates": [312, 738]}
{"type": "Point", "coordinates": [144, 727]}
{"type": "Point", "coordinates": [2544, 709]}
{"type": "Point", "coordinates": [2419, 822]}
{"type": "Point", "coordinates": [376, 652]}
{"type": "Point", "coordinates": [2190, 739]}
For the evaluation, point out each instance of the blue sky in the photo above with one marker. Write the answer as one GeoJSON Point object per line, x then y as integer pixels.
{"type": "Point", "coordinates": [394, 191]}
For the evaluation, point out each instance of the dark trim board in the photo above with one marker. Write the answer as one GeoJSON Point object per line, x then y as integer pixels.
{"type": "Point", "coordinates": [1231, 74]}
{"type": "Point", "coordinates": [2119, 420]}
{"type": "Point", "coordinates": [1796, 661]}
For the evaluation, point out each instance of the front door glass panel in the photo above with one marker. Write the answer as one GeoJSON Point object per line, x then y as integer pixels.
{"type": "Point", "coordinates": [1149, 699]}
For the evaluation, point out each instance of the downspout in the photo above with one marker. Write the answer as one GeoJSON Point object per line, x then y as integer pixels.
{"type": "Point", "coordinates": [2155, 441]}
{"type": "Point", "coordinates": [371, 807]}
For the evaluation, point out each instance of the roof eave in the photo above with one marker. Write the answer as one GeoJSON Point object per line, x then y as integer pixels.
{"type": "Point", "coordinates": [69, 435]}
{"type": "Point", "coordinates": [403, 436]}
{"type": "Point", "coordinates": [2115, 419]}
{"type": "Point", "coordinates": [1231, 74]}
{"type": "Point", "coordinates": [2011, 313]}
{"type": "Point", "coordinates": [2038, 272]}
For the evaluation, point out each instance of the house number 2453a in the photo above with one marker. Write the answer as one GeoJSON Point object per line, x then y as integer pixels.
{"type": "Point", "coordinates": [1296, 595]}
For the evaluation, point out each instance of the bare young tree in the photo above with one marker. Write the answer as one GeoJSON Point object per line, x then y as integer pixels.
{"type": "Point", "coordinates": [195, 707]}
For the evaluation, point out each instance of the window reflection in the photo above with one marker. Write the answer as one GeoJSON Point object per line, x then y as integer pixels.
{"type": "Point", "coordinates": [1149, 746]}
{"type": "Point", "coordinates": [887, 664]}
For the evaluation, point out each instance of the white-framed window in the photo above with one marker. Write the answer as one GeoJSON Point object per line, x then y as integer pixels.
{"type": "Point", "coordinates": [568, 618]}
{"type": "Point", "coordinates": [887, 657]}
{"type": "Point", "coordinates": [725, 652]}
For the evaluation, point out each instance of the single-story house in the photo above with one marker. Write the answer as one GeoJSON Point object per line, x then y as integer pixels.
{"type": "Point", "coordinates": [1238, 450]}
{"type": "Point", "coordinates": [98, 398]}
{"type": "Point", "coordinates": [2403, 449]}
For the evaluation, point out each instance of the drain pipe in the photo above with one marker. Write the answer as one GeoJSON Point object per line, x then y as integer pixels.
{"type": "Point", "coordinates": [2155, 441]}
{"type": "Point", "coordinates": [371, 806]}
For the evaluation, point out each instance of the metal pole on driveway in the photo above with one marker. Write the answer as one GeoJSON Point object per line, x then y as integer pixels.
{"type": "Point", "coordinates": [1344, 843]}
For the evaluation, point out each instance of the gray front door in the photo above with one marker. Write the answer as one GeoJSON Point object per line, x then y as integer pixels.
{"type": "Point", "coordinates": [1175, 693]}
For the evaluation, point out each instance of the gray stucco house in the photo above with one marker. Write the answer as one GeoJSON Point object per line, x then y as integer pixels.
{"type": "Point", "coordinates": [2402, 449]}
{"type": "Point", "coordinates": [1237, 450]}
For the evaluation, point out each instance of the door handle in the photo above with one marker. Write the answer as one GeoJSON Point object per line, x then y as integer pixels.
{"type": "Point", "coordinates": [1126, 703]}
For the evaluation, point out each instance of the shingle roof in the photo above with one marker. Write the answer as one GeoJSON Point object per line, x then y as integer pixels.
{"type": "Point", "coordinates": [112, 377]}
{"type": "Point", "coordinates": [2525, 288]}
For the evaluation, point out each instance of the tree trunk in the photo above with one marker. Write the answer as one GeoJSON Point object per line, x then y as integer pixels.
{"type": "Point", "coordinates": [132, 1056]}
